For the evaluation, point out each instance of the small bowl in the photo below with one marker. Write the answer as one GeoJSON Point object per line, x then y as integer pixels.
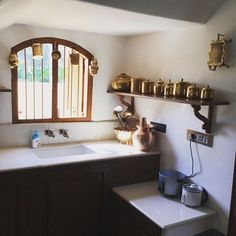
{"type": "Point", "coordinates": [124, 135]}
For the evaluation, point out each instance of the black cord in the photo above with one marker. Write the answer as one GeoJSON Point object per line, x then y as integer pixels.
{"type": "Point", "coordinates": [191, 153]}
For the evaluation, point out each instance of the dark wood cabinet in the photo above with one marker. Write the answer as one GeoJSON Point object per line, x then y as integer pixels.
{"type": "Point", "coordinates": [71, 199]}
{"type": "Point", "coordinates": [18, 203]}
{"type": "Point", "coordinates": [9, 213]}
{"type": "Point", "coordinates": [128, 221]}
{"type": "Point", "coordinates": [75, 200]}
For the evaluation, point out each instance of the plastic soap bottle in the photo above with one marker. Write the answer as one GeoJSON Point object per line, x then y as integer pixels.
{"type": "Point", "coordinates": [36, 139]}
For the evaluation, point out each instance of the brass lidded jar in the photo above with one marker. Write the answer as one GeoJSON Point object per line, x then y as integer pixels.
{"type": "Point", "coordinates": [207, 94]}
{"type": "Point", "coordinates": [136, 85]}
{"type": "Point", "coordinates": [180, 89]}
{"type": "Point", "coordinates": [193, 92]}
{"type": "Point", "coordinates": [121, 83]}
{"type": "Point", "coordinates": [159, 88]}
{"type": "Point", "coordinates": [147, 87]}
{"type": "Point", "coordinates": [168, 89]}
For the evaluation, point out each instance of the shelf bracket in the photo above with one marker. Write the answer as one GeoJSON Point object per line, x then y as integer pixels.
{"type": "Point", "coordinates": [207, 122]}
{"type": "Point", "coordinates": [130, 106]}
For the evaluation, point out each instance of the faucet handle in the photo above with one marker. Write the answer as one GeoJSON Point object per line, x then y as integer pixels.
{"type": "Point", "coordinates": [64, 132]}
{"type": "Point", "coordinates": [50, 133]}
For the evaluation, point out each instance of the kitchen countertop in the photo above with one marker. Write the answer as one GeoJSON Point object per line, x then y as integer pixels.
{"type": "Point", "coordinates": [24, 157]}
{"type": "Point", "coordinates": [163, 211]}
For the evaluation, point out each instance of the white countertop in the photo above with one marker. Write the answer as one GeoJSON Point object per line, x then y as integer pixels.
{"type": "Point", "coordinates": [23, 157]}
{"type": "Point", "coordinates": [165, 212]}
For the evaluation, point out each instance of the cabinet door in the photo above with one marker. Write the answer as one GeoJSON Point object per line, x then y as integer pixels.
{"type": "Point", "coordinates": [132, 170]}
{"type": "Point", "coordinates": [9, 210]}
{"type": "Point", "coordinates": [131, 222]}
{"type": "Point", "coordinates": [75, 200]}
{"type": "Point", "coordinates": [14, 204]}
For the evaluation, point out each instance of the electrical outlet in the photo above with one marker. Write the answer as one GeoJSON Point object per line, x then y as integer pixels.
{"type": "Point", "coordinates": [201, 138]}
{"type": "Point", "coordinates": [158, 127]}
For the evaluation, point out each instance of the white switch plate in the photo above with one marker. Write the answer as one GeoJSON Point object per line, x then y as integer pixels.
{"type": "Point", "coordinates": [201, 138]}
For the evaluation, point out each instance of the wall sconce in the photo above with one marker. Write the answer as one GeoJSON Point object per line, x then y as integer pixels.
{"type": "Point", "coordinates": [217, 52]}
{"type": "Point", "coordinates": [37, 51]}
{"type": "Point", "coordinates": [93, 68]}
{"type": "Point", "coordinates": [13, 60]}
{"type": "Point", "coordinates": [74, 58]}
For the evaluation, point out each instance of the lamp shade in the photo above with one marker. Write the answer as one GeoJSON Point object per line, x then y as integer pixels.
{"type": "Point", "coordinates": [37, 51]}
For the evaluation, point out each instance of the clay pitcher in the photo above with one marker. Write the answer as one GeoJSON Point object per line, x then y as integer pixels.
{"type": "Point", "coordinates": [143, 138]}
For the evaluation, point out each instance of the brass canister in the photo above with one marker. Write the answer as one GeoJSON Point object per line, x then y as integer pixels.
{"type": "Point", "coordinates": [207, 94]}
{"type": "Point", "coordinates": [180, 89]}
{"type": "Point", "coordinates": [147, 87]}
{"type": "Point", "coordinates": [193, 92]}
{"type": "Point", "coordinates": [136, 85]}
{"type": "Point", "coordinates": [159, 88]}
{"type": "Point", "coordinates": [168, 89]}
{"type": "Point", "coordinates": [121, 83]}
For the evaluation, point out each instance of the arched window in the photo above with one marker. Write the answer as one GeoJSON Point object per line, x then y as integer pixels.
{"type": "Point", "coordinates": [51, 82]}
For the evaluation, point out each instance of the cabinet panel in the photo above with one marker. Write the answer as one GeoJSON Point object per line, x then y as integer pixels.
{"type": "Point", "coordinates": [135, 169]}
{"type": "Point", "coordinates": [9, 210]}
{"type": "Point", "coordinates": [75, 201]}
{"type": "Point", "coordinates": [15, 204]}
{"type": "Point", "coordinates": [129, 221]}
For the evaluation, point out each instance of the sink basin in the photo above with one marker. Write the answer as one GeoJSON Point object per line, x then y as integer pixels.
{"type": "Point", "coordinates": [54, 152]}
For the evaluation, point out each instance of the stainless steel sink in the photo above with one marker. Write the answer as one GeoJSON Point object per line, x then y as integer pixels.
{"type": "Point", "coordinates": [55, 152]}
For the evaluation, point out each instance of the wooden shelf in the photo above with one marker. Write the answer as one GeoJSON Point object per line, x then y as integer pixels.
{"type": "Point", "coordinates": [196, 105]}
{"type": "Point", "coordinates": [5, 90]}
{"type": "Point", "coordinates": [178, 100]}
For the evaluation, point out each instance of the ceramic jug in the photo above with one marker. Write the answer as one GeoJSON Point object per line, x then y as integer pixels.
{"type": "Point", "coordinates": [143, 138]}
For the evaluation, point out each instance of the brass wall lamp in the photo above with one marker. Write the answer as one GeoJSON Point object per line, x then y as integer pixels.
{"type": "Point", "coordinates": [93, 67]}
{"type": "Point", "coordinates": [13, 60]}
{"type": "Point", "coordinates": [217, 52]}
{"type": "Point", "coordinates": [74, 58]}
{"type": "Point", "coordinates": [37, 51]}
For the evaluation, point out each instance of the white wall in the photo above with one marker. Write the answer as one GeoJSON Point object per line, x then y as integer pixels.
{"type": "Point", "coordinates": [183, 54]}
{"type": "Point", "coordinates": [109, 52]}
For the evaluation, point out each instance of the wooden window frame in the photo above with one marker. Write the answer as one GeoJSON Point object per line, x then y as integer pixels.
{"type": "Point", "coordinates": [14, 76]}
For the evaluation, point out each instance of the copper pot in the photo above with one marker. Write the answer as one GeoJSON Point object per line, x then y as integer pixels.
{"type": "Point", "coordinates": [207, 94]}
{"type": "Point", "coordinates": [193, 92]}
{"type": "Point", "coordinates": [180, 89]}
{"type": "Point", "coordinates": [122, 83]}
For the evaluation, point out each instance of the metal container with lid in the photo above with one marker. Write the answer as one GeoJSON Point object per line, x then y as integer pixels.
{"type": "Point", "coordinates": [159, 88]}
{"type": "Point", "coordinates": [207, 94]}
{"type": "Point", "coordinates": [180, 89]}
{"type": "Point", "coordinates": [193, 195]}
{"type": "Point", "coordinates": [147, 87]}
{"type": "Point", "coordinates": [170, 182]}
{"type": "Point", "coordinates": [121, 83]}
{"type": "Point", "coordinates": [136, 85]}
{"type": "Point", "coordinates": [168, 89]}
{"type": "Point", "coordinates": [193, 92]}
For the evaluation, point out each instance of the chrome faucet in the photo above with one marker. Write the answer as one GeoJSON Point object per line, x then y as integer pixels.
{"type": "Point", "coordinates": [50, 133]}
{"type": "Point", "coordinates": [64, 132]}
